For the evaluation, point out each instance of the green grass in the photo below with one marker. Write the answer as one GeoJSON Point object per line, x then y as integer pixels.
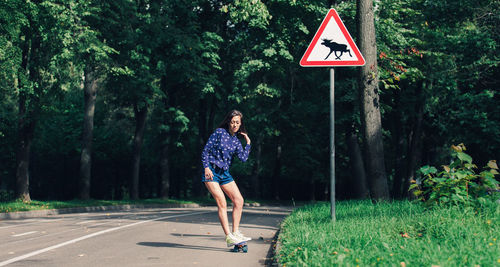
{"type": "Point", "coordinates": [390, 233]}
{"type": "Point", "coordinates": [17, 205]}
{"type": "Point", "coordinates": [13, 206]}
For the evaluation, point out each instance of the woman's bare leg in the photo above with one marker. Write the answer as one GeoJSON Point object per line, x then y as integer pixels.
{"type": "Point", "coordinates": [231, 189]}
{"type": "Point", "coordinates": [218, 195]}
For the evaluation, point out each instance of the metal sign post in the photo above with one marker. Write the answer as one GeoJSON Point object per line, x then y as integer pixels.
{"type": "Point", "coordinates": [332, 46]}
{"type": "Point", "coordinates": [332, 142]}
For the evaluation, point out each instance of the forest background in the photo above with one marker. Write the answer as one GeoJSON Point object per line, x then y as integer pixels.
{"type": "Point", "coordinates": [116, 99]}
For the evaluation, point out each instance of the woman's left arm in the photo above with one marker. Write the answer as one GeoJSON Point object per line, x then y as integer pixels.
{"type": "Point", "coordinates": [243, 153]}
{"type": "Point", "coordinates": [247, 139]}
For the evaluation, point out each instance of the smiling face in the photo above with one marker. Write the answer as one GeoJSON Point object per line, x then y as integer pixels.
{"type": "Point", "coordinates": [234, 124]}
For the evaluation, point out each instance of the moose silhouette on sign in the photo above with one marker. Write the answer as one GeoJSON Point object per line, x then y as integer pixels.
{"type": "Point", "coordinates": [335, 47]}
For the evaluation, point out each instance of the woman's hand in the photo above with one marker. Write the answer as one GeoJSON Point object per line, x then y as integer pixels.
{"type": "Point", "coordinates": [247, 139]}
{"type": "Point", "coordinates": [208, 174]}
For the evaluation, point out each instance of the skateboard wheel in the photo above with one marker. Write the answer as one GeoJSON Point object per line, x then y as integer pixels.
{"type": "Point", "coordinates": [240, 247]}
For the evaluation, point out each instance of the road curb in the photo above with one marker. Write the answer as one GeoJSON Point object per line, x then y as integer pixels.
{"type": "Point", "coordinates": [277, 247]}
{"type": "Point", "coordinates": [49, 212]}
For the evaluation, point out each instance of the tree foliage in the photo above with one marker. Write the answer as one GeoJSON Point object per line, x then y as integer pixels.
{"type": "Point", "coordinates": [189, 62]}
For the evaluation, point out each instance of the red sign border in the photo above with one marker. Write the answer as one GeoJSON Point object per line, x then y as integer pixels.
{"type": "Point", "coordinates": [332, 13]}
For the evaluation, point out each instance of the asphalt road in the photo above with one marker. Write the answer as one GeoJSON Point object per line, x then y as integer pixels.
{"type": "Point", "coordinates": [142, 237]}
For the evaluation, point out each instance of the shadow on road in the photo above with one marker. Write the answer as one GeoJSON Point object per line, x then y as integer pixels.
{"type": "Point", "coordinates": [212, 237]}
{"type": "Point", "coordinates": [173, 245]}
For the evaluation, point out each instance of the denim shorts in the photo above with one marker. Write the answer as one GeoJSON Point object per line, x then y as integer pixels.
{"type": "Point", "coordinates": [220, 175]}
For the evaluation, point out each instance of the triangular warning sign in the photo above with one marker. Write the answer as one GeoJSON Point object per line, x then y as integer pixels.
{"type": "Point", "coordinates": [332, 45]}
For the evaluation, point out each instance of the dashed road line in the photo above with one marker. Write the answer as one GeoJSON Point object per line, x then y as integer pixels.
{"type": "Point", "coordinates": [34, 222]}
{"type": "Point", "coordinates": [23, 234]}
{"type": "Point", "coordinates": [40, 251]}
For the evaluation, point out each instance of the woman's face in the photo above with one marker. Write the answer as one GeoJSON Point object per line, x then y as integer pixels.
{"type": "Point", "coordinates": [234, 124]}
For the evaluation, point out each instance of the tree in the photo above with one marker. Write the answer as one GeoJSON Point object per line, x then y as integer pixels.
{"type": "Point", "coordinates": [132, 77]}
{"type": "Point", "coordinates": [166, 72]}
{"type": "Point", "coordinates": [43, 70]}
{"type": "Point", "coordinates": [93, 56]}
{"type": "Point", "coordinates": [370, 104]}
{"type": "Point", "coordinates": [435, 70]}
{"type": "Point", "coordinates": [11, 19]}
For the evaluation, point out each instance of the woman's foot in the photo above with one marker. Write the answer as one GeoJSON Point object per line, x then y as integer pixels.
{"type": "Point", "coordinates": [239, 235]}
{"type": "Point", "coordinates": [231, 240]}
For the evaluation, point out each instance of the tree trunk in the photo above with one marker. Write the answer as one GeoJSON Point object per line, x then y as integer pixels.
{"type": "Point", "coordinates": [26, 127]}
{"type": "Point", "coordinates": [400, 168]}
{"type": "Point", "coordinates": [202, 139]}
{"type": "Point", "coordinates": [140, 125]}
{"type": "Point", "coordinates": [26, 122]}
{"type": "Point", "coordinates": [164, 170]}
{"type": "Point", "coordinates": [415, 150]}
{"type": "Point", "coordinates": [360, 189]}
{"type": "Point", "coordinates": [206, 114]}
{"type": "Point", "coordinates": [370, 108]}
{"type": "Point", "coordinates": [399, 146]}
{"type": "Point", "coordinates": [90, 94]}
{"type": "Point", "coordinates": [165, 142]}
{"type": "Point", "coordinates": [277, 173]}
{"type": "Point", "coordinates": [312, 190]}
{"type": "Point", "coordinates": [256, 170]}
{"type": "Point", "coordinates": [211, 113]}
{"type": "Point", "coordinates": [414, 153]}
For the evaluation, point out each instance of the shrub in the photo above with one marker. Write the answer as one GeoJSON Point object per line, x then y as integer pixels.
{"type": "Point", "coordinates": [458, 183]}
{"type": "Point", "coordinates": [6, 195]}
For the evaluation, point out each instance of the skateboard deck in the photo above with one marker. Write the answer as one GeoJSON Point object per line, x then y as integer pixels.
{"type": "Point", "coordinates": [242, 246]}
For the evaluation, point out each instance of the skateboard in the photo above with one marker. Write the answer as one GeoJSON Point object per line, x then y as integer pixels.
{"type": "Point", "coordinates": [242, 246]}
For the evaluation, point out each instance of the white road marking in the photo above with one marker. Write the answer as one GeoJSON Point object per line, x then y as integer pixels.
{"type": "Point", "coordinates": [40, 251]}
{"type": "Point", "coordinates": [35, 222]}
{"type": "Point", "coordinates": [62, 232]}
{"type": "Point", "coordinates": [27, 233]}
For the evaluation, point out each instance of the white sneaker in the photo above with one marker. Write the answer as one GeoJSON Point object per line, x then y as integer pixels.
{"type": "Point", "coordinates": [231, 240]}
{"type": "Point", "coordinates": [239, 235]}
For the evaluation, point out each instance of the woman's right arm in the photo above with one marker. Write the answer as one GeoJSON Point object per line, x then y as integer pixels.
{"type": "Point", "coordinates": [205, 154]}
{"type": "Point", "coordinates": [208, 147]}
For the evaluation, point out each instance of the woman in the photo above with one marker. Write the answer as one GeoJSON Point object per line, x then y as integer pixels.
{"type": "Point", "coordinates": [217, 156]}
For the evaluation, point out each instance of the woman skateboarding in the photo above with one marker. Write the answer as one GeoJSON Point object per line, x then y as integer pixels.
{"type": "Point", "coordinates": [217, 157]}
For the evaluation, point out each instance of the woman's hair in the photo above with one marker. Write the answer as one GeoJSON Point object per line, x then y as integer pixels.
{"type": "Point", "coordinates": [227, 120]}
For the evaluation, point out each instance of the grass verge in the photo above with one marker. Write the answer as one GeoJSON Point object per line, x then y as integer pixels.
{"type": "Point", "coordinates": [16, 205]}
{"type": "Point", "coordinates": [398, 233]}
